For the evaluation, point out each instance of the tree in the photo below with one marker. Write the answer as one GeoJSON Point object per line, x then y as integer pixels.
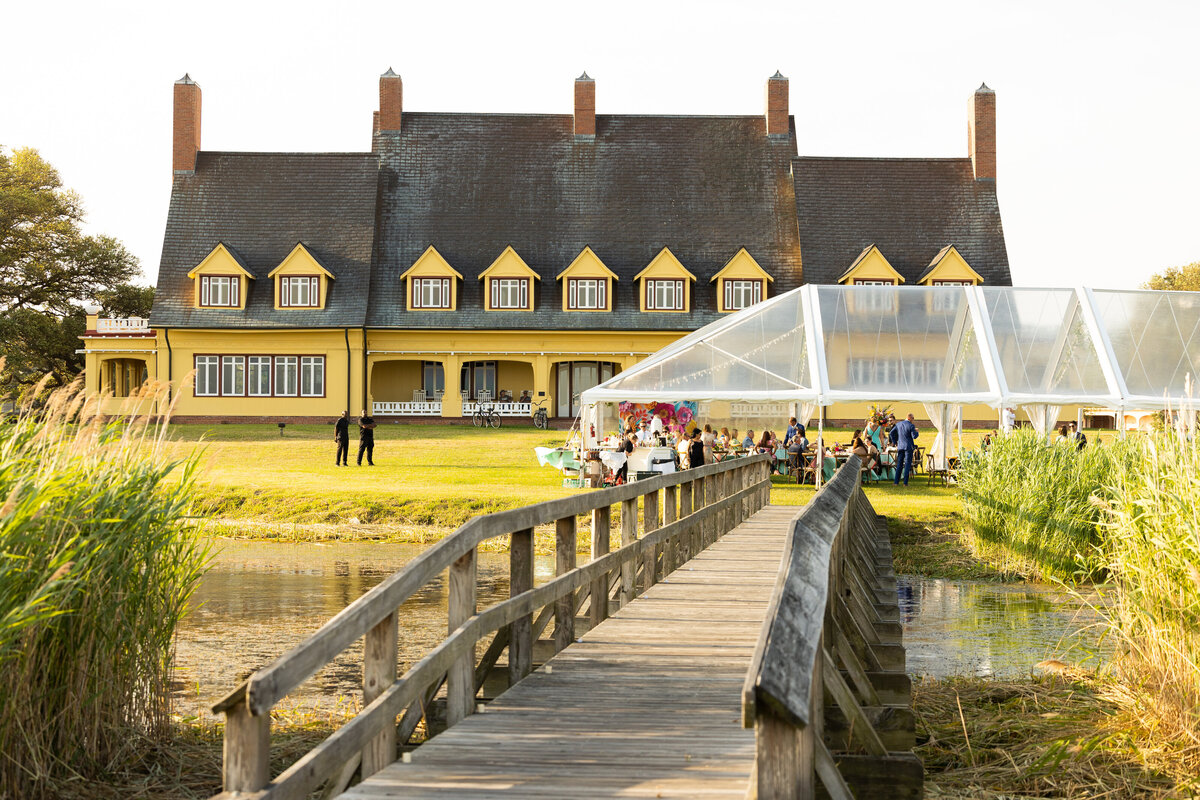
{"type": "Point", "coordinates": [48, 268]}
{"type": "Point", "coordinates": [1185, 279]}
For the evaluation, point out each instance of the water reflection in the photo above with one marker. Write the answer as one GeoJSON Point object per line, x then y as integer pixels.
{"type": "Point", "coordinates": [992, 630]}
{"type": "Point", "coordinates": [260, 599]}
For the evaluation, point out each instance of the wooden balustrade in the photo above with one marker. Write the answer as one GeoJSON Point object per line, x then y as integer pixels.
{"type": "Point", "coordinates": [833, 631]}
{"type": "Point", "coordinates": [682, 513]}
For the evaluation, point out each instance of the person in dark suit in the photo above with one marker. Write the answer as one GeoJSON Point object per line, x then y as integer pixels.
{"type": "Point", "coordinates": [366, 438]}
{"type": "Point", "coordinates": [341, 435]}
{"type": "Point", "coordinates": [903, 436]}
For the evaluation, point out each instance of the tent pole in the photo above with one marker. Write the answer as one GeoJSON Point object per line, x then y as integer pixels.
{"type": "Point", "coordinates": [819, 459]}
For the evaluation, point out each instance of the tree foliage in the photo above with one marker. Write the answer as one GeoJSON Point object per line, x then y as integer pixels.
{"type": "Point", "coordinates": [1183, 279]}
{"type": "Point", "coordinates": [48, 268]}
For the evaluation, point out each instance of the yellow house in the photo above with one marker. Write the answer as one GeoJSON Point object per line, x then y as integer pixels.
{"type": "Point", "coordinates": [514, 260]}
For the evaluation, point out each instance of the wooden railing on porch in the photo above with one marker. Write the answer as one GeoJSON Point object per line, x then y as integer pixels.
{"type": "Point", "coordinates": [833, 632]}
{"type": "Point", "coordinates": [682, 514]}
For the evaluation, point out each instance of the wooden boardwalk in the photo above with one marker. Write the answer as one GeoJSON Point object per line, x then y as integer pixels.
{"type": "Point", "coordinates": [647, 704]}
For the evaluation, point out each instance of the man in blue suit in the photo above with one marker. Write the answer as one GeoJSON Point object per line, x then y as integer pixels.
{"type": "Point", "coordinates": [902, 436]}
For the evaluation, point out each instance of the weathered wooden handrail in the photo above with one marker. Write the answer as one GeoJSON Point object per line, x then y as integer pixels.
{"type": "Point", "coordinates": [825, 633]}
{"type": "Point", "coordinates": [372, 734]}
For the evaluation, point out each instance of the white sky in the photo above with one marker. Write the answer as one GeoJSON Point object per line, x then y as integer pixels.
{"type": "Point", "coordinates": [1098, 103]}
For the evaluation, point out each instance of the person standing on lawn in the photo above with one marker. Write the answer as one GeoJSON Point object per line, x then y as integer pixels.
{"type": "Point", "coordinates": [341, 435]}
{"type": "Point", "coordinates": [366, 438]}
{"type": "Point", "coordinates": [903, 436]}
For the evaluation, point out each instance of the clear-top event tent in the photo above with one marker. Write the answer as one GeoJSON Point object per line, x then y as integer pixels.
{"type": "Point", "coordinates": [944, 346]}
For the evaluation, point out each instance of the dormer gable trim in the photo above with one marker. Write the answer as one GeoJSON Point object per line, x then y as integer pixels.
{"type": "Point", "coordinates": [949, 264]}
{"type": "Point", "coordinates": [742, 264]}
{"type": "Point", "coordinates": [871, 265]}
{"type": "Point", "coordinates": [509, 264]}
{"type": "Point", "coordinates": [665, 264]}
{"type": "Point", "coordinates": [431, 262]}
{"type": "Point", "coordinates": [222, 256]}
{"type": "Point", "coordinates": [304, 256]}
{"type": "Point", "coordinates": [587, 256]}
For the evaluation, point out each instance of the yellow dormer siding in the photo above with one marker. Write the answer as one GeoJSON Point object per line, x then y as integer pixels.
{"type": "Point", "coordinates": [222, 279]}
{"type": "Point", "coordinates": [508, 283]}
{"type": "Point", "coordinates": [871, 268]}
{"type": "Point", "coordinates": [432, 284]}
{"type": "Point", "coordinates": [741, 283]}
{"type": "Point", "coordinates": [949, 268]}
{"type": "Point", "coordinates": [301, 281]}
{"type": "Point", "coordinates": [587, 284]}
{"type": "Point", "coordinates": [665, 284]}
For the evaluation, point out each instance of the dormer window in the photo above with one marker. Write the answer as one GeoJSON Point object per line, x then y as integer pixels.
{"type": "Point", "coordinates": [741, 283]}
{"type": "Point", "coordinates": [665, 295]}
{"type": "Point", "coordinates": [665, 284]}
{"type": "Point", "coordinates": [508, 283]}
{"type": "Point", "coordinates": [219, 291]}
{"type": "Point", "coordinates": [587, 284]}
{"type": "Point", "coordinates": [301, 280]}
{"type": "Point", "coordinates": [432, 283]}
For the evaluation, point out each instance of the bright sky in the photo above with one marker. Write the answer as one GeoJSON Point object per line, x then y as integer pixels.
{"type": "Point", "coordinates": [1098, 103]}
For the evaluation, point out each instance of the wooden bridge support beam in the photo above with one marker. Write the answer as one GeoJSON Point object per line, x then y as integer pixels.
{"type": "Point", "coordinates": [564, 557]}
{"type": "Point", "coordinates": [460, 678]}
{"type": "Point", "coordinates": [520, 579]}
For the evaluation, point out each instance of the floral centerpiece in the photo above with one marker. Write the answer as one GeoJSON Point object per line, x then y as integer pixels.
{"type": "Point", "coordinates": [878, 414]}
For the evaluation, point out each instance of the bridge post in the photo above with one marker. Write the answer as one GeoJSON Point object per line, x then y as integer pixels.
{"type": "Point", "coordinates": [564, 558]}
{"type": "Point", "coordinates": [601, 544]}
{"type": "Point", "coordinates": [683, 542]}
{"type": "Point", "coordinates": [379, 672]}
{"type": "Point", "coordinates": [520, 579]}
{"type": "Point", "coordinates": [247, 749]}
{"type": "Point", "coordinates": [650, 523]}
{"type": "Point", "coordinates": [629, 515]}
{"type": "Point", "coordinates": [670, 547]}
{"type": "Point", "coordinates": [460, 678]}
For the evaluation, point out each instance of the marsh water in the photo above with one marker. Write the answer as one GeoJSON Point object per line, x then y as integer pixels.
{"type": "Point", "coordinates": [260, 599]}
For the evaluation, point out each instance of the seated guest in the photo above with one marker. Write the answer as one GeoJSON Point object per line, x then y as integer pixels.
{"type": "Point", "coordinates": [525, 398]}
{"type": "Point", "coordinates": [734, 440]}
{"type": "Point", "coordinates": [723, 438]}
{"type": "Point", "coordinates": [748, 442]}
{"type": "Point", "coordinates": [764, 443]}
{"type": "Point", "coordinates": [862, 449]}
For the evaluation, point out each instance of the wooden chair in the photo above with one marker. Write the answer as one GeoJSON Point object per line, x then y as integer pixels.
{"type": "Point", "coordinates": [943, 474]}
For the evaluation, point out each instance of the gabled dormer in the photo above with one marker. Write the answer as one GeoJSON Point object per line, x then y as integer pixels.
{"type": "Point", "coordinates": [665, 284]}
{"type": "Point", "coordinates": [301, 280]}
{"type": "Point", "coordinates": [949, 268]}
{"type": "Point", "coordinates": [741, 283]}
{"type": "Point", "coordinates": [432, 284]}
{"type": "Point", "coordinates": [871, 268]}
{"type": "Point", "coordinates": [508, 284]}
{"type": "Point", "coordinates": [222, 279]}
{"type": "Point", "coordinates": [587, 284]}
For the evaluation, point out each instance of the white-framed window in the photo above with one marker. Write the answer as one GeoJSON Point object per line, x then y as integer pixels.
{"type": "Point", "coordinates": [874, 299]}
{"type": "Point", "coordinates": [587, 293]}
{"type": "Point", "coordinates": [312, 376]}
{"type": "Point", "coordinates": [665, 295]}
{"type": "Point", "coordinates": [219, 291]}
{"type": "Point", "coordinates": [207, 379]}
{"type": "Point", "coordinates": [742, 294]}
{"type": "Point", "coordinates": [947, 301]}
{"type": "Point", "coordinates": [431, 293]}
{"type": "Point", "coordinates": [286, 377]}
{"type": "Point", "coordinates": [510, 293]}
{"type": "Point", "coordinates": [434, 379]}
{"type": "Point", "coordinates": [299, 291]}
{"type": "Point", "coordinates": [233, 376]}
{"type": "Point", "coordinates": [258, 376]}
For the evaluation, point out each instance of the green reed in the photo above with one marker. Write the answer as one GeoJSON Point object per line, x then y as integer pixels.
{"type": "Point", "coordinates": [97, 563]}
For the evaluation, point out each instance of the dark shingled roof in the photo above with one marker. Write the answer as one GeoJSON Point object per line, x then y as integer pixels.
{"type": "Point", "coordinates": [260, 205]}
{"type": "Point", "coordinates": [910, 208]}
{"type": "Point", "coordinates": [472, 184]}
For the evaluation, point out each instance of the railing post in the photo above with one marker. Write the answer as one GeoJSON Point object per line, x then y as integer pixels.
{"type": "Point", "coordinates": [650, 523]}
{"type": "Point", "coordinates": [629, 512]}
{"type": "Point", "coordinates": [701, 487]}
{"type": "Point", "coordinates": [601, 522]}
{"type": "Point", "coordinates": [683, 542]}
{"type": "Point", "coordinates": [564, 558]}
{"type": "Point", "coordinates": [670, 551]}
{"type": "Point", "coordinates": [247, 750]}
{"type": "Point", "coordinates": [520, 579]}
{"type": "Point", "coordinates": [460, 679]}
{"type": "Point", "coordinates": [379, 672]}
{"type": "Point", "coordinates": [765, 479]}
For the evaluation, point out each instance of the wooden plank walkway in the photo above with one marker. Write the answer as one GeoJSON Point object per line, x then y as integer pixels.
{"type": "Point", "coordinates": [645, 705]}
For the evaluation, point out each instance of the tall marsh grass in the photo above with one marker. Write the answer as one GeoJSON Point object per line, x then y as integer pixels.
{"type": "Point", "coordinates": [97, 562]}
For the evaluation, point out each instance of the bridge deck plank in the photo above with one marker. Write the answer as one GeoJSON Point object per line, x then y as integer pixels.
{"type": "Point", "coordinates": [647, 704]}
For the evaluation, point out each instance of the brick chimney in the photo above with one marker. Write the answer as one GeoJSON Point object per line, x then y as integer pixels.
{"type": "Point", "coordinates": [777, 105]}
{"type": "Point", "coordinates": [981, 132]}
{"type": "Point", "coordinates": [585, 107]}
{"type": "Point", "coordinates": [186, 136]}
{"type": "Point", "coordinates": [391, 95]}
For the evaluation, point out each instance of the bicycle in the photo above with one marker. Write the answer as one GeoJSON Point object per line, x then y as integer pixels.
{"type": "Point", "coordinates": [485, 416]}
{"type": "Point", "coordinates": [541, 418]}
